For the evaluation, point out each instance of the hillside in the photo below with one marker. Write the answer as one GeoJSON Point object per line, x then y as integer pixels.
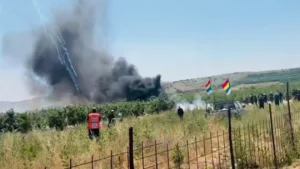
{"type": "Point", "coordinates": [37, 103]}
{"type": "Point", "coordinates": [237, 80]}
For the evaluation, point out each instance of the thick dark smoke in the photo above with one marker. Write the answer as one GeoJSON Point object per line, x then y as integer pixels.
{"type": "Point", "coordinates": [100, 78]}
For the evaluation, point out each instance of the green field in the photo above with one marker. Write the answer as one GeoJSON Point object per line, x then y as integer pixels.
{"type": "Point", "coordinates": [236, 79]}
{"type": "Point", "coordinates": [37, 148]}
{"type": "Point", "coordinates": [60, 118]}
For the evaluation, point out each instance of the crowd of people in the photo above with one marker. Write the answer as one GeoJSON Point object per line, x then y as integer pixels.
{"type": "Point", "coordinates": [276, 98]}
{"type": "Point", "coordinates": [261, 99]}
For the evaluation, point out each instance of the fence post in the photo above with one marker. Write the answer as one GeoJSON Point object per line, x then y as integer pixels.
{"type": "Point", "coordinates": [155, 149]}
{"type": "Point", "coordinates": [168, 156]}
{"type": "Point", "coordinates": [111, 159]}
{"type": "Point", "coordinates": [219, 159]}
{"type": "Point", "coordinates": [196, 147]}
{"type": "Point", "coordinates": [143, 160]}
{"type": "Point", "coordinates": [92, 161]}
{"type": "Point", "coordinates": [290, 115]}
{"type": "Point", "coordinates": [188, 153]}
{"type": "Point", "coordinates": [128, 163]}
{"type": "Point", "coordinates": [70, 163]}
{"type": "Point", "coordinates": [211, 149]}
{"type": "Point", "coordinates": [230, 139]}
{"type": "Point", "coordinates": [204, 149]}
{"type": "Point", "coordinates": [131, 159]}
{"type": "Point", "coordinates": [273, 139]}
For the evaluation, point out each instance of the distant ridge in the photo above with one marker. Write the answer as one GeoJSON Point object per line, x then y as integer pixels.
{"type": "Point", "coordinates": [180, 86]}
{"type": "Point", "coordinates": [236, 79]}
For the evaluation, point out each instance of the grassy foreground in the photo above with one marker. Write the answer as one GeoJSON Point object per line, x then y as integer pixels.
{"type": "Point", "coordinates": [53, 149]}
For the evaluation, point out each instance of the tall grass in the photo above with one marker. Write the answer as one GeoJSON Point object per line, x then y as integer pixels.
{"type": "Point", "coordinates": [38, 149]}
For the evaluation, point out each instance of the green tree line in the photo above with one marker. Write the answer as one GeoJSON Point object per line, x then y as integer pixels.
{"type": "Point", "coordinates": [60, 118]}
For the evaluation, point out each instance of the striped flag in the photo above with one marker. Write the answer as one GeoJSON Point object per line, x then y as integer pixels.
{"type": "Point", "coordinates": [226, 87]}
{"type": "Point", "coordinates": [208, 88]}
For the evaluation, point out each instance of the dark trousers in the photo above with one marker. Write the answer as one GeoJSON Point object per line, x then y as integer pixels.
{"type": "Point", "coordinates": [180, 116]}
{"type": "Point", "coordinates": [261, 105]}
{"type": "Point", "coordinates": [94, 133]}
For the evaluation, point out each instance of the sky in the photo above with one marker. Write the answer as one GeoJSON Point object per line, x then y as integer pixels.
{"type": "Point", "coordinates": [179, 40]}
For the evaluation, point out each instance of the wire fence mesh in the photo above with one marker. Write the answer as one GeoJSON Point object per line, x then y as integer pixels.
{"type": "Point", "coordinates": [269, 143]}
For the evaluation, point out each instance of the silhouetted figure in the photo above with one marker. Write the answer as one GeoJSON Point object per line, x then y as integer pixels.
{"type": "Point", "coordinates": [265, 98]}
{"type": "Point", "coordinates": [180, 113]}
{"type": "Point", "coordinates": [297, 96]}
{"type": "Point", "coordinates": [271, 97]}
{"type": "Point", "coordinates": [294, 93]}
{"type": "Point", "coordinates": [280, 97]}
{"type": "Point", "coordinates": [277, 99]}
{"type": "Point", "coordinates": [255, 99]}
{"type": "Point", "coordinates": [261, 101]}
{"type": "Point", "coordinates": [111, 117]}
{"type": "Point", "coordinates": [245, 100]}
{"type": "Point", "coordinates": [251, 99]}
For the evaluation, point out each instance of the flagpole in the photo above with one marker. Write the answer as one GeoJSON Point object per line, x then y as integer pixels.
{"type": "Point", "coordinates": [209, 91]}
{"type": "Point", "coordinates": [214, 101]}
{"type": "Point", "coordinates": [214, 97]}
{"type": "Point", "coordinates": [226, 86]}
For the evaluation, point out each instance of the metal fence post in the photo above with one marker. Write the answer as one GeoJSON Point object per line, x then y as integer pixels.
{"type": "Point", "coordinates": [273, 139]}
{"type": "Point", "coordinates": [70, 164]}
{"type": "Point", "coordinates": [131, 159]}
{"type": "Point", "coordinates": [188, 154]}
{"type": "Point", "coordinates": [196, 147]}
{"type": "Point", "coordinates": [111, 160]}
{"type": "Point", "coordinates": [168, 156]}
{"type": "Point", "coordinates": [143, 160]}
{"type": "Point", "coordinates": [290, 115]}
{"type": "Point", "coordinates": [230, 139]}
{"type": "Point", "coordinates": [92, 161]}
{"type": "Point", "coordinates": [156, 158]}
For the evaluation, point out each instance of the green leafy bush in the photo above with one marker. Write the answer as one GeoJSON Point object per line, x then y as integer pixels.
{"type": "Point", "coordinates": [60, 118]}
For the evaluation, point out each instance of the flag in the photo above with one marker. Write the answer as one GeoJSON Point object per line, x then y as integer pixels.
{"type": "Point", "coordinates": [208, 88]}
{"type": "Point", "coordinates": [226, 87]}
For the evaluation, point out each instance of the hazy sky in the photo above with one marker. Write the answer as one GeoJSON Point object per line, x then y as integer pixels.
{"type": "Point", "coordinates": [177, 39]}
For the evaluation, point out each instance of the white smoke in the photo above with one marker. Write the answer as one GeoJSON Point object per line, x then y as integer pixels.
{"type": "Point", "coordinates": [197, 103]}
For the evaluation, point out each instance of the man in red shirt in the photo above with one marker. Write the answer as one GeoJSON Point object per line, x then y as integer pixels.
{"type": "Point", "coordinates": [94, 119]}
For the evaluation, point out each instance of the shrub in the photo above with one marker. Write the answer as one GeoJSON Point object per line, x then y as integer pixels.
{"type": "Point", "coordinates": [60, 118]}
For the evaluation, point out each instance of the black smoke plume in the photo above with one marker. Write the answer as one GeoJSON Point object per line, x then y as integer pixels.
{"type": "Point", "coordinates": [99, 77]}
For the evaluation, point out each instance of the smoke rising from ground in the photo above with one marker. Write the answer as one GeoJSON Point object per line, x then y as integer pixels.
{"type": "Point", "coordinates": [197, 103]}
{"type": "Point", "coordinates": [67, 60]}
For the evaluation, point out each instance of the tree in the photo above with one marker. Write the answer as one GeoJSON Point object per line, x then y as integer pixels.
{"type": "Point", "coordinates": [10, 121]}
{"type": "Point", "coordinates": [24, 123]}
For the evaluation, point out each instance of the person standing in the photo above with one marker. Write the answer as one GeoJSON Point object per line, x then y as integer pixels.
{"type": "Point", "coordinates": [297, 95]}
{"type": "Point", "coordinates": [255, 99]}
{"type": "Point", "coordinates": [265, 98]}
{"type": "Point", "coordinates": [111, 117]}
{"type": "Point", "coordinates": [180, 113]}
{"type": "Point", "coordinates": [252, 99]}
{"type": "Point", "coordinates": [261, 101]}
{"type": "Point", "coordinates": [280, 97]}
{"type": "Point", "coordinates": [271, 97]}
{"type": "Point", "coordinates": [277, 99]}
{"type": "Point", "coordinates": [94, 119]}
